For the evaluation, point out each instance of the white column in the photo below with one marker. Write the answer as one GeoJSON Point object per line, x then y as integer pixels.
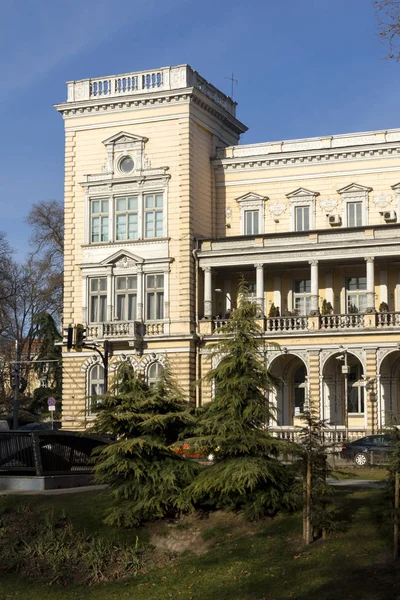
{"type": "Point", "coordinates": [314, 287]}
{"type": "Point", "coordinates": [370, 284]}
{"type": "Point", "coordinates": [383, 287]}
{"type": "Point", "coordinates": [207, 293]}
{"type": "Point", "coordinates": [109, 296]}
{"type": "Point", "coordinates": [139, 292]}
{"type": "Point", "coordinates": [260, 287]}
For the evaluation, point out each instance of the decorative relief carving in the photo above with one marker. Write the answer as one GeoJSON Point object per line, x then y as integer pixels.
{"type": "Point", "coordinates": [328, 205]}
{"type": "Point", "coordinates": [277, 209]}
{"type": "Point", "coordinates": [382, 200]}
{"type": "Point", "coordinates": [125, 263]}
{"type": "Point", "coordinates": [124, 359]}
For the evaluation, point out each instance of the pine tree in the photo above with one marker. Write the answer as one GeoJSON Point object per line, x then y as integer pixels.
{"type": "Point", "coordinates": [146, 476]}
{"type": "Point", "coordinates": [246, 473]}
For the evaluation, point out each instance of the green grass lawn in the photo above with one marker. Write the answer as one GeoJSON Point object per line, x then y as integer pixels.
{"type": "Point", "coordinates": [369, 473]}
{"type": "Point", "coordinates": [264, 561]}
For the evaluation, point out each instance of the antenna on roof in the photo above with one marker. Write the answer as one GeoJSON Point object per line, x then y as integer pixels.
{"type": "Point", "coordinates": [233, 80]}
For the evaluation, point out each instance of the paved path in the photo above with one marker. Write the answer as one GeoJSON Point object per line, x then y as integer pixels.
{"type": "Point", "coordinates": [353, 483]}
{"type": "Point", "coordinates": [356, 483]}
{"type": "Point", "coordinates": [58, 492]}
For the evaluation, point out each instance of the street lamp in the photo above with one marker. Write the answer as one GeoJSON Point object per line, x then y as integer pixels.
{"type": "Point", "coordinates": [345, 372]}
{"type": "Point", "coordinates": [227, 296]}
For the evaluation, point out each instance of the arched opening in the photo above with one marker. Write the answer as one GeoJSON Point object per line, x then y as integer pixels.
{"type": "Point", "coordinates": [343, 391]}
{"type": "Point", "coordinates": [389, 390]}
{"type": "Point", "coordinates": [154, 373]}
{"type": "Point", "coordinates": [95, 387]}
{"type": "Point", "coordinates": [290, 398]}
{"type": "Point", "coordinates": [123, 377]}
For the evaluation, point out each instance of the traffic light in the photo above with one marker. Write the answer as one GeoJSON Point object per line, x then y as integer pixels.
{"type": "Point", "coordinates": [80, 337]}
{"type": "Point", "coordinates": [70, 337]}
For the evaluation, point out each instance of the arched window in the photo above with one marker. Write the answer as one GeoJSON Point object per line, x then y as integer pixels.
{"type": "Point", "coordinates": [123, 378]}
{"type": "Point", "coordinates": [300, 385]}
{"type": "Point", "coordinates": [154, 373]}
{"type": "Point", "coordinates": [96, 386]}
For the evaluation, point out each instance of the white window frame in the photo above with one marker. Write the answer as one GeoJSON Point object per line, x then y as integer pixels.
{"type": "Point", "coordinates": [358, 292]}
{"type": "Point", "coordinates": [303, 208]}
{"type": "Point", "coordinates": [252, 202]}
{"type": "Point", "coordinates": [112, 215]}
{"type": "Point", "coordinates": [252, 213]}
{"type": "Point", "coordinates": [98, 382]}
{"type": "Point", "coordinates": [355, 193]}
{"type": "Point", "coordinates": [126, 213]}
{"type": "Point", "coordinates": [359, 385]}
{"type": "Point", "coordinates": [100, 215]}
{"type": "Point", "coordinates": [127, 292]}
{"type": "Point", "coordinates": [156, 291]}
{"type": "Point", "coordinates": [99, 294]}
{"type": "Point", "coordinates": [301, 295]}
{"type": "Point", "coordinates": [151, 380]}
{"type": "Point", "coordinates": [302, 198]}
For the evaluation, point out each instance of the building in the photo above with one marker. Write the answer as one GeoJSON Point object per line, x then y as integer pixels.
{"type": "Point", "coordinates": [164, 211]}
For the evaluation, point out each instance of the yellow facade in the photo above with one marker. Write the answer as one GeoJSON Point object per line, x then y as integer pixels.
{"type": "Point", "coordinates": [163, 213]}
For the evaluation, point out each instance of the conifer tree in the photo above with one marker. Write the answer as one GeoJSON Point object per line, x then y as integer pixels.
{"type": "Point", "coordinates": [145, 475]}
{"type": "Point", "coordinates": [246, 473]}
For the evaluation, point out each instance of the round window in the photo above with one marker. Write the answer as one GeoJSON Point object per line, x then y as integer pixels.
{"type": "Point", "coordinates": [126, 164]}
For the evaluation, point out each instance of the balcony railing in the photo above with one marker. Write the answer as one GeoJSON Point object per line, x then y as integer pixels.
{"type": "Point", "coordinates": [322, 323]}
{"type": "Point", "coordinates": [295, 323]}
{"type": "Point", "coordinates": [139, 82]}
{"type": "Point", "coordinates": [332, 435]}
{"type": "Point", "coordinates": [124, 330]}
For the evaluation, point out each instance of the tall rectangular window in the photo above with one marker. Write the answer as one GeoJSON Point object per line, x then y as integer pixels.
{"type": "Point", "coordinates": [354, 214]}
{"type": "Point", "coordinates": [97, 299]}
{"type": "Point", "coordinates": [302, 218]}
{"type": "Point", "coordinates": [154, 297]}
{"type": "Point", "coordinates": [302, 296]}
{"type": "Point", "coordinates": [125, 297]}
{"type": "Point", "coordinates": [251, 219]}
{"type": "Point", "coordinates": [356, 291]}
{"type": "Point", "coordinates": [153, 216]}
{"type": "Point", "coordinates": [126, 218]}
{"type": "Point", "coordinates": [99, 221]}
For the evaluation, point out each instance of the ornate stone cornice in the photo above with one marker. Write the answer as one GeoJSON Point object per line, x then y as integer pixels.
{"type": "Point", "coordinates": [121, 104]}
{"type": "Point", "coordinates": [304, 158]}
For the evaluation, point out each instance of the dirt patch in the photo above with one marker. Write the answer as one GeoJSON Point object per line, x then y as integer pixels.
{"type": "Point", "coordinates": [195, 533]}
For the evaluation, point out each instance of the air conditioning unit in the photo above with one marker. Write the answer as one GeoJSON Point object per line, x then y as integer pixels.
{"type": "Point", "coordinates": [389, 216]}
{"type": "Point", "coordinates": [334, 219]}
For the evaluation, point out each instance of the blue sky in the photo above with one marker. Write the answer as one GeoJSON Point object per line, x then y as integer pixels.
{"type": "Point", "coordinates": [305, 68]}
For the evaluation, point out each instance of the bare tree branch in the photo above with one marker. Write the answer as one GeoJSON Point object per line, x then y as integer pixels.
{"type": "Point", "coordinates": [388, 16]}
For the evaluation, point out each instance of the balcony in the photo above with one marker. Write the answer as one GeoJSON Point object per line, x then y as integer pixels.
{"type": "Point", "coordinates": [385, 321]}
{"type": "Point", "coordinates": [124, 330]}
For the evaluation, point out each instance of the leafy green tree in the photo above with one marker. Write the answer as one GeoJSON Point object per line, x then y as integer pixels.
{"type": "Point", "coordinates": [147, 477]}
{"type": "Point", "coordinates": [246, 473]}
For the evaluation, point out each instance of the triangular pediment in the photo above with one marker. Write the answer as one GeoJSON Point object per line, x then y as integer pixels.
{"type": "Point", "coordinates": [354, 188]}
{"type": "Point", "coordinates": [301, 192]}
{"type": "Point", "coordinates": [124, 138]}
{"type": "Point", "coordinates": [252, 197]}
{"type": "Point", "coordinates": [122, 259]}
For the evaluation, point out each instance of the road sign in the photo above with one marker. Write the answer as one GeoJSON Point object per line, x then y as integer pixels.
{"type": "Point", "coordinates": [51, 402]}
{"type": "Point", "coordinates": [52, 408]}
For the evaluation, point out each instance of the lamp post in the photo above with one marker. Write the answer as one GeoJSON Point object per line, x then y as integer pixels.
{"type": "Point", "coordinates": [345, 372]}
{"type": "Point", "coordinates": [227, 296]}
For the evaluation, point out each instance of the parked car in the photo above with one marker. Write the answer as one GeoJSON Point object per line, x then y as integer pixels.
{"type": "Point", "coordinates": [369, 449]}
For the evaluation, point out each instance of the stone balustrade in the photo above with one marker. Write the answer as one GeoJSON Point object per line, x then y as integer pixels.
{"type": "Point", "coordinates": [115, 330]}
{"type": "Point", "coordinates": [332, 435]}
{"type": "Point", "coordinates": [139, 82]}
{"type": "Point", "coordinates": [322, 323]}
